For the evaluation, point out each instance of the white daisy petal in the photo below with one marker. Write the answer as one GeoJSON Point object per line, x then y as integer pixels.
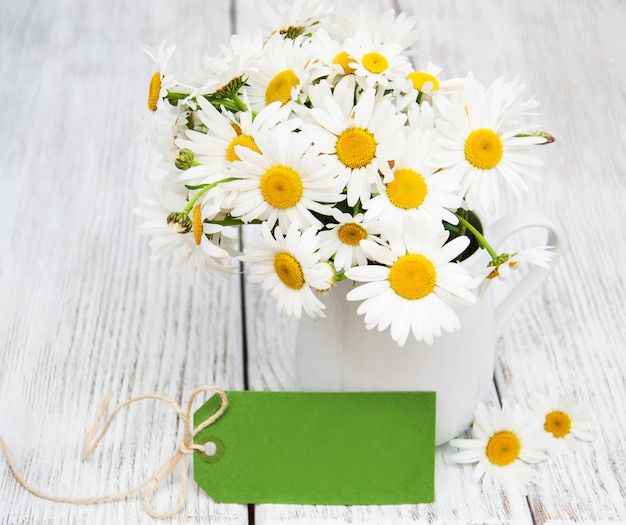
{"type": "Point", "coordinates": [367, 290]}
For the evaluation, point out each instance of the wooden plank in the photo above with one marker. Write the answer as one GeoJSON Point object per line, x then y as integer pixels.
{"type": "Point", "coordinates": [83, 310]}
{"type": "Point", "coordinates": [575, 344]}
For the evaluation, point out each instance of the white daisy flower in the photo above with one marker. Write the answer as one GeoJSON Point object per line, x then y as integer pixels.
{"type": "Point", "coordinates": [197, 246]}
{"type": "Point", "coordinates": [412, 288]}
{"type": "Point", "coordinates": [215, 150]}
{"type": "Point", "coordinates": [506, 441]}
{"type": "Point", "coordinates": [298, 18]}
{"type": "Point", "coordinates": [280, 73]}
{"type": "Point", "coordinates": [539, 256]}
{"type": "Point", "coordinates": [290, 269]}
{"type": "Point", "coordinates": [166, 124]}
{"type": "Point", "coordinates": [400, 29]}
{"type": "Point", "coordinates": [227, 71]}
{"type": "Point", "coordinates": [377, 62]}
{"type": "Point", "coordinates": [341, 241]}
{"type": "Point", "coordinates": [564, 421]}
{"type": "Point", "coordinates": [418, 88]}
{"type": "Point", "coordinates": [159, 114]}
{"type": "Point", "coordinates": [454, 90]}
{"type": "Point", "coordinates": [417, 187]}
{"type": "Point", "coordinates": [287, 184]}
{"type": "Point", "coordinates": [331, 61]}
{"type": "Point", "coordinates": [219, 77]}
{"type": "Point", "coordinates": [424, 81]}
{"type": "Point", "coordinates": [161, 80]}
{"type": "Point", "coordinates": [358, 140]}
{"type": "Point", "coordinates": [480, 146]}
{"type": "Point", "coordinates": [245, 46]}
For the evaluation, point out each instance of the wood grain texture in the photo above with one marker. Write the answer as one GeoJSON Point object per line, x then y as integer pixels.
{"type": "Point", "coordinates": [83, 311]}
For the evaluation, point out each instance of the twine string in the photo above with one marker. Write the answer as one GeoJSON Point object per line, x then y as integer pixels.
{"type": "Point", "coordinates": [185, 448]}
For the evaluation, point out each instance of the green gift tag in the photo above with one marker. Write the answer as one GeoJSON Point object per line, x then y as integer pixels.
{"type": "Point", "coordinates": [318, 448]}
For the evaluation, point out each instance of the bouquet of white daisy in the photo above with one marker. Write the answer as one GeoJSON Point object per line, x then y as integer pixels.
{"type": "Point", "coordinates": [355, 164]}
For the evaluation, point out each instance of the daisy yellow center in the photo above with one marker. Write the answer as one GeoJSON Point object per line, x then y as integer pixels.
{"type": "Point", "coordinates": [281, 187]}
{"type": "Point", "coordinates": [289, 270]}
{"type": "Point", "coordinates": [356, 148]}
{"type": "Point", "coordinates": [154, 91]}
{"type": "Point", "coordinates": [344, 60]}
{"type": "Point", "coordinates": [407, 189]}
{"type": "Point", "coordinates": [240, 140]}
{"type": "Point", "coordinates": [558, 424]}
{"type": "Point", "coordinates": [280, 87]}
{"type": "Point", "coordinates": [198, 229]}
{"type": "Point", "coordinates": [483, 149]}
{"type": "Point", "coordinates": [352, 234]}
{"type": "Point", "coordinates": [419, 79]}
{"type": "Point", "coordinates": [375, 62]}
{"type": "Point", "coordinates": [412, 276]}
{"type": "Point", "coordinates": [503, 448]}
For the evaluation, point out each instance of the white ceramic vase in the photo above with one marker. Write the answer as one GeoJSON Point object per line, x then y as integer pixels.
{"type": "Point", "coordinates": [338, 353]}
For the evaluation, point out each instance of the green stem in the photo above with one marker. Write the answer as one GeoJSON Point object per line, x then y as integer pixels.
{"type": "Point", "coordinates": [240, 103]}
{"type": "Point", "coordinates": [482, 242]}
{"type": "Point", "coordinates": [228, 104]}
{"type": "Point", "coordinates": [202, 191]}
{"type": "Point", "coordinates": [217, 102]}
{"type": "Point", "coordinates": [232, 221]}
{"type": "Point", "coordinates": [176, 96]}
{"type": "Point", "coordinates": [340, 276]}
{"type": "Point", "coordinates": [549, 139]}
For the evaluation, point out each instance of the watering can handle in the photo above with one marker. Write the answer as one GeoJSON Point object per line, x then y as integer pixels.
{"type": "Point", "coordinates": [498, 232]}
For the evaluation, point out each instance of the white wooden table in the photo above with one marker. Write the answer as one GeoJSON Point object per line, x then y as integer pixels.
{"type": "Point", "coordinates": [84, 312]}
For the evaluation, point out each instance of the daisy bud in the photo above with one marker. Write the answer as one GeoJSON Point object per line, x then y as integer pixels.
{"type": "Point", "coordinates": [327, 274]}
{"type": "Point", "coordinates": [183, 159]}
{"type": "Point", "coordinates": [179, 222]}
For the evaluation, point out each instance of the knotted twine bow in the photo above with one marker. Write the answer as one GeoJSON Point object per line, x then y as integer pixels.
{"type": "Point", "coordinates": [163, 471]}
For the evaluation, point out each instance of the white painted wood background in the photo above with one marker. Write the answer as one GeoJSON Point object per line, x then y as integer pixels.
{"type": "Point", "coordinates": [83, 311]}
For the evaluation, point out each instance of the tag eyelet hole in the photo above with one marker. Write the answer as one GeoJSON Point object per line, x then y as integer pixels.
{"type": "Point", "coordinates": [213, 449]}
